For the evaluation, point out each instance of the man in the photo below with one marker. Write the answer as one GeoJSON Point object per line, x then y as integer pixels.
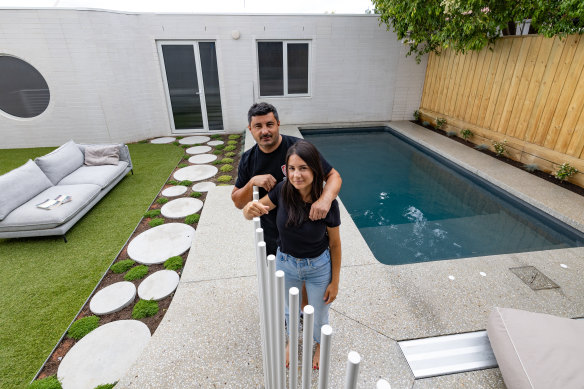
{"type": "Point", "coordinates": [264, 166]}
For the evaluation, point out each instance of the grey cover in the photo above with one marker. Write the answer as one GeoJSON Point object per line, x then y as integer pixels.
{"type": "Point", "coordinates": [61, 162]}
{"type": "Point", "coordinates": [29, 215]}
{"type": "Point", "coordinates": [98, 175]}
{"type": "Point", "coordinates": [124, 151]}
{"type": "Point", "coordinates": [535, 350]}
{"type": "Point", "coordinates": [102, 155]}
{"type": "Point", "coordinates": [20, 185]}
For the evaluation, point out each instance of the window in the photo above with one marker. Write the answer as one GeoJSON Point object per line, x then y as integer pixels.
{"type": "Point", "coordinates": [283, 68]}
{"type": "Point", "coordinates": [24, 93]}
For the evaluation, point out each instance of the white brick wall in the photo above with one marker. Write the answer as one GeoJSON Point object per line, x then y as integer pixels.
{"type": "Point", "coordinates": [106, 84]}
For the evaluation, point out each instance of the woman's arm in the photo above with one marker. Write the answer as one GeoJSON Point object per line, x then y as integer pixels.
{"type": "Point", "coordinates": [335, 245]}
{"type": "Point", "coordinates": [258, 208]}
{"type": "Point", "coordinates": [331, 189]}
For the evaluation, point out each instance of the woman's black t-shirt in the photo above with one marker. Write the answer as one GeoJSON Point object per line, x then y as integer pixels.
{"type": "Point", "coordinates": [309, 239]}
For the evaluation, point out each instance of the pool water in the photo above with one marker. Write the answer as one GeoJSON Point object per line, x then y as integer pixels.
{"type": "Point", "coordinates": [410, 207]}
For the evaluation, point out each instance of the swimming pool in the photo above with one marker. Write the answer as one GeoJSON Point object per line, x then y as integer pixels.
{"type": "Point", "coordinates": [412, 205]}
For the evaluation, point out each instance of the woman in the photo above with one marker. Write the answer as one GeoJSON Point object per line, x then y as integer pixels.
{"type": "Point", "coordinates": [308, 251]}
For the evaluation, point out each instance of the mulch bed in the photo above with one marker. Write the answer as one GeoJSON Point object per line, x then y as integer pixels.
{"type": "Point", "coordinates": [546, 176]}
{"type": "Point", "coordinates": [52, 365]}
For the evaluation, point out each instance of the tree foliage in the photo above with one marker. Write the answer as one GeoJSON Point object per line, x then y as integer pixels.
{"type": "Point", "coordinates": [431, 25]}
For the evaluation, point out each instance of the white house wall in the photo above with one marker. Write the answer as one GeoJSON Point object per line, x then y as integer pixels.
{"type": "Point", "coordinates": [106, 83]}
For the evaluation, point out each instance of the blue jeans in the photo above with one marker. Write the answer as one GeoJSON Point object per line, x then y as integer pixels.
{"type": "Point", "coordinates": [316, 273]}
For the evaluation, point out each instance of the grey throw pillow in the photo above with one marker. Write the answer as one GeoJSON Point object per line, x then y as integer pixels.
{"type": "Point", "coordinates": [102, 155]}
{"type": "Point", "coordinates": [20, 185]}
{"type": "Point", "coordinates": [61, 162]}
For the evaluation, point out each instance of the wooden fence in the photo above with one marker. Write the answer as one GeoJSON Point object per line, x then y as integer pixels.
{"type": "Point", "coordinates": [528, 90]}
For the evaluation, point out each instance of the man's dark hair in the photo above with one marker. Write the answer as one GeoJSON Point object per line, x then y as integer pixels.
{"type": "Point", "coordinates": [261, 109]}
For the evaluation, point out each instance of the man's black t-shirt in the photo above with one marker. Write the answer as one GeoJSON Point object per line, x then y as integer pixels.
{"type": "Point", "coordinates": [255, 162]}
{"type": "Point", "coordinates": [309, 239]}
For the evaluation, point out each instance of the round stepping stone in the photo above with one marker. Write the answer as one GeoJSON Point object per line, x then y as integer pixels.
{"type": "Point", "coordinates": [158, 285]}
{"type": "Point", "coordinates": [202, 158]}
{"type": "Point", "coordinates": [113, 298]}
{"type": "Point", "coordinates": [195, 173]}
{"type": "Point", "coordinates": [104, 355]}
{"type": "Point", "coordinates": [198, 149]}
{"type": "Point", "coordinates": [204, 186]}
{"type": "Point", "coordinates": [166, 139]}
{"type": "Point", "coordinates": [191, 140]}
{"type": "Point", "coordinates": [174, 191]}
{"type": "Point", "coordinates": [158, 244]}
{"type": "Point", "coordinates": [179, 208]}
{"type": "Point", "coordinates": [215, 143]}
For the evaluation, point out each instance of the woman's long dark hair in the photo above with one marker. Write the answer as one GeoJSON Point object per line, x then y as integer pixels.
{"type": "Point", "coordinates": [295, 206]}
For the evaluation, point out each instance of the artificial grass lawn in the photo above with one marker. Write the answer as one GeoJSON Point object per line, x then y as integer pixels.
{"type": "Point", "coordinates": [45, 281]}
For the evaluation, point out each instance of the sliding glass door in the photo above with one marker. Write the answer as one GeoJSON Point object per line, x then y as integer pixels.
{"type": "Point", "coordinates": [192, 85]}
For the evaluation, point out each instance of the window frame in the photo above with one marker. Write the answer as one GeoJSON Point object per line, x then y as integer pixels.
{"type": "Point", "coordinates": [285, 43]}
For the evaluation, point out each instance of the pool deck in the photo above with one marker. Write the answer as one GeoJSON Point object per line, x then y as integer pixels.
{"type": "Point", "coordinates": [210, 335]}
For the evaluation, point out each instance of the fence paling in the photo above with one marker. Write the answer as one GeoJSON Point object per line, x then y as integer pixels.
{"type": "Point", "coordinates": [281, 337]}
{"type": "Point", "coordinates": [307, 332]}
{"type": "Point", "coordinates": [325, 356]}
{"type": "Point", "coordinates": [353, 361]}
{"type": "Point", "coordinates": [293, 309]}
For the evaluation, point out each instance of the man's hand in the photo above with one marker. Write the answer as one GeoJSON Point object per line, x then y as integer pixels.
{"type": "Point", "coordinates": [319, 209]}
{"type": "Point", "coordinates": [266, 181]}
{"type": "Point", "coordinates": [255, 209]}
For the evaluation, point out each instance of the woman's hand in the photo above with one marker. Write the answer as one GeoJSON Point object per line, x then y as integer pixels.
{"type": "Point", "coordinates": [331, 293]}
{"type": "Point", "coordinates": [255, 209]}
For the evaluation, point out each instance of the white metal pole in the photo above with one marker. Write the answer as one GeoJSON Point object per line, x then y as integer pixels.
{"type": "Point", "coordinates": [325, 356]}
{"type": "Point", "coordinates": [258, 224]}
{"type": "Point", "coordinates": [260, 260]}
{"type": "Point", "coordinates": [268, 371]}
{"type": "Point", "coordinates": [272, 319]}
{"type": "Point", "coordinates": [256, 193]}
{"type": "Point", "coordinates": [293, 309]}
{"type": "Point", "coordinates": [307, 333]}
{"type": "Point", "coordinates": [281, 337]}
{"type": "Point", "coordinates": [353, 361]}
{"type": "Point", "coordinates": [382, 384]}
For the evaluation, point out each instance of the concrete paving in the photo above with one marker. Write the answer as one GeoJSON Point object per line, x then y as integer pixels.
{"type": "Point", "coordinates": [113, 298]}
{"type": "Point", "coordinates": [195, 172]}
{"type": "Point", "coordinates": [198, 149]}
{"type": "Point", "coordinates": [191, 140]}
{"type": "Point", "coordinates": [210, 334]}
{"type": "Point", "coordinates": [158, 244]}
{"type": "Point", "coordinates": [174, 191]}
{"type": "Point", "coordinates": [204, 186]}
{"type": "Point", "coordinates": [202, 158]}
{"type": "Point", "coordinates": [163, 140]}
{"type": "Point", "coordinates": [158, 285]}
{"type": "Point", "coordinates": [103, 355]}
{"type": "Point", "coordinates": [179, 208]}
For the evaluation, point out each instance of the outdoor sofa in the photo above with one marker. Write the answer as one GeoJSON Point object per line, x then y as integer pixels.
{"type": "Point", "coordinates": [535, 350]}
{"type": "Point", "coordinates": [86, 173]}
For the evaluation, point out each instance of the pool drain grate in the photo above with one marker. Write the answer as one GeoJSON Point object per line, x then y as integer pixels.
{"type": "Point", "coordinates": [535, 279]}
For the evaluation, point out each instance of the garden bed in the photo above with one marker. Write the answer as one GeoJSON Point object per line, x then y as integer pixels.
{"type": "Point", "coordinates": [541, 174]}
{"type": "Point", "coordinates": [51, 366]}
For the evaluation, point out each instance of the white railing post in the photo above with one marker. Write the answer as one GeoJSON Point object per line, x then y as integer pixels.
{"type": "Point", "coordinates": [382, 384]}
{"type": "Point", "coordinates": [264, 300]}
{"type": "Point", "coordinates": [307, 333]}
{"type": "Point", "coordinates": [260, 259]}
{"type": "Point", "coordinates": [353, 361]}
{"type": "Point", "coordinates": [293, 309]}
{"type": "Point", "coordinates": [256, 193]}
{"type": "Point", "coordinates": [272, 319]}
{"type": "Point", "coordinates": [325, 356]}
{"type": "Point", "coordinates": [281, 337]}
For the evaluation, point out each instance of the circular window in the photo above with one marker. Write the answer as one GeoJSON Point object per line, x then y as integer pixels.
{"type": "Point", "coordinates": [23, 90]}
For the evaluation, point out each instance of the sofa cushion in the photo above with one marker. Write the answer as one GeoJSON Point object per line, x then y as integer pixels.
{"type": "Point", "coordinates": [102, 155]}
{"type": "Point", "coordinates": [98, 175]}
{"type": "Point", "coordinates": [28, 216]}
{"type": "Point", "coordinates": [20, 185]}
{"type": "Point", "coordinates": [61, 162]}
{"type": "Point", "coordinates": [535, 350]}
